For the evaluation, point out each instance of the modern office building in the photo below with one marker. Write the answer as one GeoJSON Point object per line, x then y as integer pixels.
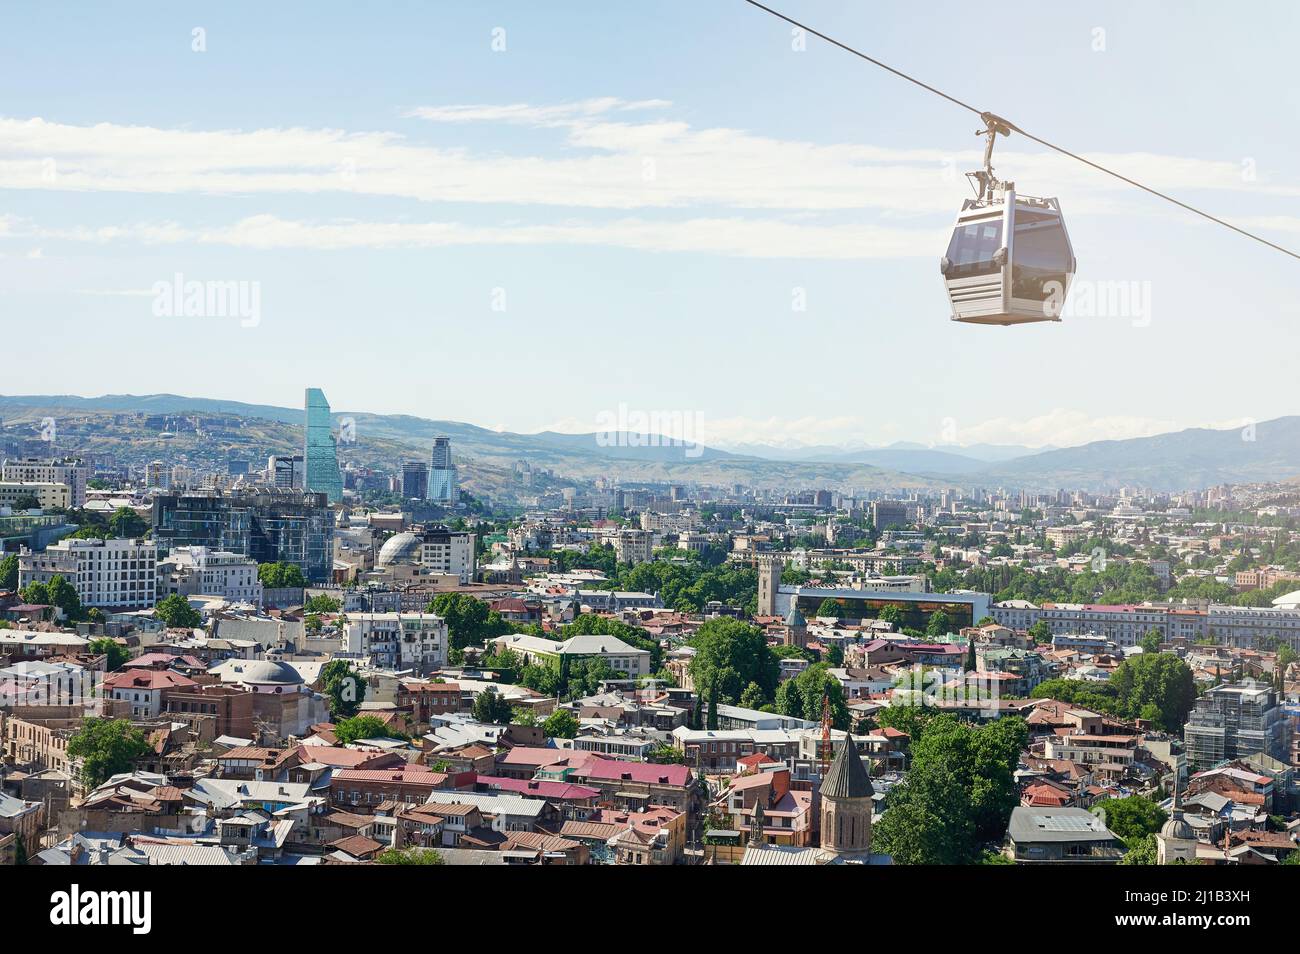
{"type": "Point", "coordinates": [442, 473]}
{"type": "Point", "coordinates": [889, 513]}
{"type": "Point", "coordinates": [1231, 722]}
{"type": "Point", "coordinates": [69, 470]}
{"type": "Point", "coordinates": [285, 471]}
{"type": "Point", "coordinates": [916, 608]}
{"type": "Point", "coordinates": [415, 480]}
{"type": "Point", "coordinates": [320, 449]}
{"type": "Point", "coordinates": [106, 573]}
{"type": "Point", "coordinates": [268, 526]}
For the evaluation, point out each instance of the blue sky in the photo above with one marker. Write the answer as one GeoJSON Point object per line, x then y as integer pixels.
{"type": "Point", "coordinates": [623, 206]}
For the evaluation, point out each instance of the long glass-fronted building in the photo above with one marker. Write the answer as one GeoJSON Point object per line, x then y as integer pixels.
{"type": "Point", "coordinates": [320, 450]}
{"type": "Point", "coordinates": [270, 527]}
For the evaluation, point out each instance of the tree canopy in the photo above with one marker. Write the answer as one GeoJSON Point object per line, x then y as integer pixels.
{"type": "Point", "coordinates": [106, 747]}
{"type": "Point", "coordinates": [729, 655]}
{"type": "Point", "coordinates": [958, 796]}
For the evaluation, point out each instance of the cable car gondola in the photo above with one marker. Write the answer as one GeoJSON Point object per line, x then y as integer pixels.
{"type": "Point", "coordinates": [1009, 261]}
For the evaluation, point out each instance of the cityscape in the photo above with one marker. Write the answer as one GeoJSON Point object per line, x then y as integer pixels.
{"type": "Point", "coordinates": [462, 435]}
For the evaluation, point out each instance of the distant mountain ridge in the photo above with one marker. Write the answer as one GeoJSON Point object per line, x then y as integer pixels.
{"type": "Point", "coordinates": [1189, 459]}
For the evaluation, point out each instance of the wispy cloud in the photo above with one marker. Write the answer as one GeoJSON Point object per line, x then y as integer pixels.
{"type": "Point", "coordinates": [599, 164]}
{"type": "Point", "coordinates": [750, 238]}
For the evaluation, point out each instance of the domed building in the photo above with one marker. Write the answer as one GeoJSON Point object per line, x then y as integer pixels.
{"type": "Point", "coordinates": [401, 549]}
{"type": "Point", "coordinates": [283, 704]}
{"type": "Point", "coordinates": [1176, 841]}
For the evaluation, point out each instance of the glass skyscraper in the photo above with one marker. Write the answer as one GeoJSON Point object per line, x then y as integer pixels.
{"type": "Point", "coordinates": [442, 473]}
{"type": "Point", "coordinates": [320, 451]}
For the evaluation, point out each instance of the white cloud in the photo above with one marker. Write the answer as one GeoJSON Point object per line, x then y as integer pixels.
{"type": "Point", "coordinates": [1060, 427]}
{"type": "Point", "coordinates": [599, 164]}
{"type": "Point", "coordinates": [735, 236]}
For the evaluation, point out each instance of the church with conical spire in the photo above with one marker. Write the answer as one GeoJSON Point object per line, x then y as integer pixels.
{"type": "Point", "coordinates": [844, 817]}
{"type": "Point", "coordinates": [846, 806]}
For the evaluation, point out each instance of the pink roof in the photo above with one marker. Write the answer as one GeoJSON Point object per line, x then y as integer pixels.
{"type": "Point", "coordinates": [643, 772]}
{"type": "Point", "coordinates": [541, 756]}
{"type": "Point", "coordinates": [165, 659]}
{"type": "Point", "coordinates": [148, 679]}
{"type": "Point", "coordinates": [539, 788]}
{"type": "Point", "coordinates": [414, 777]}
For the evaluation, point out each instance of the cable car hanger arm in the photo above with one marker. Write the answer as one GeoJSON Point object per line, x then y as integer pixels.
{"type": "Point", "coordinates": [1012, 127]}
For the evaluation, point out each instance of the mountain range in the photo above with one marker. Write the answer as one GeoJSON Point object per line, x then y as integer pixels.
{"type": "Point", "coordinates": [1189, 459]}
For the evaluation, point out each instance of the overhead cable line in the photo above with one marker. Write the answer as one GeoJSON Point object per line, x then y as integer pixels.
{"type": "Point", "coordinates": [987, 116]}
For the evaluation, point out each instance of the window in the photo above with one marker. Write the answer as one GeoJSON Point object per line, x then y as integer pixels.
{"type": "Point", "coordinates": [1041, 255]}
{"type": "Point", "coordinates": [972, 247]}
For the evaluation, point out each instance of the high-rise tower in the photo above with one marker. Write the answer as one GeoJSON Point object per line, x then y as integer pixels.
{"type": "Point", "coordinates": [320, 450]}
{"type": "Point", "coordinates": [442, 473]}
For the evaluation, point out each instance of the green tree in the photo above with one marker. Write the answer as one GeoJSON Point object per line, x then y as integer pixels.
{"type": "Point", "coordinates": [1142, 852]}
{"type": "Point", "coordinates": [1132, 818]}
{"type": "Point", "coordinates": [64, 595]}
{"type": "Point", "coordinates": [802, 696]}
{"type": "Point", "coordinates": [491, 706]}
{"type": "Point", "coordinates": [175, 612]}
{"type": "Point", "coordinates": [1041, 632]}
{"type": "Point", "coordinates": [729, 655]}
{"type": "Point", "coordinates": [939, 624]}
{"type": "Point", "coordinates": [1161, 680]}
{"type": "Point", "coordinates": [106, 747]}
{"type": "Point", "coordinates": [350, 730]}
{"type": "Point", "coordinates": [560, 725]}
{"type": "Point", "coordinates": [1151, 641]}
{"type": "Point", "coordinates": [115, 651]}
{"type": "Point", "coordinates": [321, 603]}
{"type": "Point", "coordinates": [959, 793]}
{"type": "Point", "coordinates": [9, 572]}
{"type": "Point", "coordinates": [469, 620]}
{"type": "Point", "coordinates": [277, 576]}
{"type": "Point", "coordinates": [126, 523]}
{"type": "Point", "coordinates": [829, 609]}
{"type": "Point", "coordinates": [345, 688]}
{"type": "Point", "coordinates": [752, 697]}
{"type": "Point", "coordinates": [410, 856]}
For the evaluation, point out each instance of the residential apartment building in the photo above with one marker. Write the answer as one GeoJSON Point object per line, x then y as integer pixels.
{"type": "Point", "coordinates": [190, 571]}
{"type": "Point", "coordinates": [402, 641]}
{"type": "Point", "coordinates": [71, 471]}
{"type": "Point", "coordinates": [106, 573]}
{"type": "Point", "coordinates": [634, 546]}
{"type": "Point", "coordinates": [46, 494]}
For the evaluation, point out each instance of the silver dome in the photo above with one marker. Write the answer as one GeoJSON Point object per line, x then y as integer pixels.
{"type": "Point", "coordinates": [401, 547]}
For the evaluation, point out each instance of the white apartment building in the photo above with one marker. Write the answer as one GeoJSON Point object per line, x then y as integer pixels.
{"type": "Point", "coordinates": [400, 641]}
{"type": "Point", "coordinates": [634, 546]}
{"type": "Point", "coordinates": [70, 471]}
{"type": "Point", "coordinates": [1125, 625]}
{"type": "Point", "coordinates": [47, 494]}
{"type": "Point", "coordinates": [106, 573]}
{"type": "Point", "coordinates": [192, 571]}
{"type": "Point", "coordinates": [449, 551]}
